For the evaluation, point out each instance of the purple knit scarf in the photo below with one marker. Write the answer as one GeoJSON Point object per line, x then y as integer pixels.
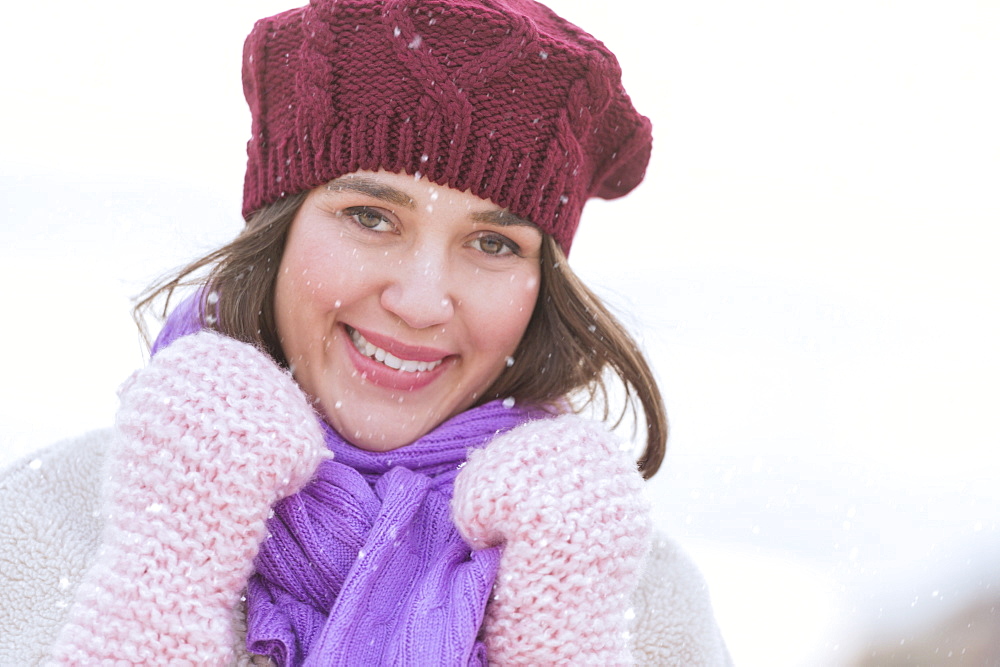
{"type": "Point", "coordinates": [364, 565]}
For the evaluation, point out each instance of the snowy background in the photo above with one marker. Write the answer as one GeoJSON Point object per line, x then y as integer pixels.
{"type": "Point", "coordinates": [811, 264]}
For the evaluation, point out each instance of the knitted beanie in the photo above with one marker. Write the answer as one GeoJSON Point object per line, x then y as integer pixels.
{"type": "Point", "coordinates": [501, 98]}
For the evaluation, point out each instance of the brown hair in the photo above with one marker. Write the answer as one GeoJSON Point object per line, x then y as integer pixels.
{"type": "Point", "coordinates": [572, 341]}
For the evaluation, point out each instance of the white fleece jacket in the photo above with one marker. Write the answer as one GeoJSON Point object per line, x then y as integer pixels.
{"type": "Point", "coordinates": [50, 526]}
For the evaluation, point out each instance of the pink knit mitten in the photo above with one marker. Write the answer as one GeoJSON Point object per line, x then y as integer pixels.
{"type": "Point", "coordinates": [209, 436]}
{"type": "Point", "coordinates": [568, 506]}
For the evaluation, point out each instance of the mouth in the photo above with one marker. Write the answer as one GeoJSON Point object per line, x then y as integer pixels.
{"type": "Point", "coordinates": [372, 351]}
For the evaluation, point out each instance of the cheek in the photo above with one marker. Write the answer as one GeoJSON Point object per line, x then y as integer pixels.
{"type": "Point", "coordinates": [309, 282]}
{"type": "Point", "coordinates": [303, 296]}
{"type": "Point", "coordinates": [523, 301]}
{"type": "Point", "coordinates": [505, 314]}
{"type": "Point", "coordinates": [287, 312]}
{"type": "Point", "coordinates": [290, 291]}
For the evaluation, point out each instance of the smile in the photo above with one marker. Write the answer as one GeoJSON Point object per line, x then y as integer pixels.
{"type": "Point", "coordinates": [378, 354]}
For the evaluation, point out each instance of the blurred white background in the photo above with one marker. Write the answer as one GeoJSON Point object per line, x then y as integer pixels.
{"type": "Point", "coordinates": [811, 263]}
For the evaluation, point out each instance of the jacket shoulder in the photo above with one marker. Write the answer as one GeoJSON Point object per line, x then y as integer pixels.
{"type": "Point", "coordinates": [674, 623]}
{"type": "Point", "coordinates": [49, 529]}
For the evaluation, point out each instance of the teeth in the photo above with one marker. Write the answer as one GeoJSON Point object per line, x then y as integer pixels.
{"type": "Point", "coordinates": [390, 360]}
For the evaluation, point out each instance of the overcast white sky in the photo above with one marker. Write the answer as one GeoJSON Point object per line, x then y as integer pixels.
{"type": "Point", "coordinates": [811, 264]}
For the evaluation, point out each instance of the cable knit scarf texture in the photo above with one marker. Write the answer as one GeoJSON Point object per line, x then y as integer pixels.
{"type": "Point", "coordinates": [364, 565]}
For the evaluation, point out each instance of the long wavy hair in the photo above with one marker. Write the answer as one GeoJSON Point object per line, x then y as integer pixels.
{"type": "Point", "coordinates": [572, 348]}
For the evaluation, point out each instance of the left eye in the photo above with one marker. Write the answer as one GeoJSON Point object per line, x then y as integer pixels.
{"type": "Point", "coordinates": [369, 219]}
{"type": "Point", "coordinates": [494, 245]}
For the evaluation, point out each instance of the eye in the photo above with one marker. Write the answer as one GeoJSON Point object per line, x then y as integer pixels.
{"type": "Point", "coordinates": [496, 245]}
{"type": "Point", "coordinates": [369, 218]}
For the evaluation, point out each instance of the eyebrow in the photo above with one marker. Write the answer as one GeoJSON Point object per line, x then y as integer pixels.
{"type": "Point", "coordinates": [375, 188]}
{"type": "Point", "coordinates": [372, 188]}
{"type": "Point", "coordinates": [503, 218]}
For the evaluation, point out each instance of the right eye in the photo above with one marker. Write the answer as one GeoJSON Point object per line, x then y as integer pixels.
{"type": "Point", "coordinates": [369, 218]}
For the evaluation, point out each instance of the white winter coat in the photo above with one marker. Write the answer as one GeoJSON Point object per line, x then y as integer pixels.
{"type": "Point", "coordinates": [50, 528]}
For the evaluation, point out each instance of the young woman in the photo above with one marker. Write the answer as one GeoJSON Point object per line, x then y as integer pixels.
{"type": "Point", "coordinates": [356, 442]}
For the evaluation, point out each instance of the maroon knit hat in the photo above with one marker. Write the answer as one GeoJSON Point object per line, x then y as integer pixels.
{"type": "Point", "coordinates": [502, 98]}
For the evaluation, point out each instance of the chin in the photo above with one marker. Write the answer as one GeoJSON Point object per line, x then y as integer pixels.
{"type": "Point", "coordinates": [363, 436]}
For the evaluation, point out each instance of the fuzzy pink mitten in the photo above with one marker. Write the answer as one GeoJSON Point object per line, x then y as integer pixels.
{"type": "Point", "coordinates": [568, 506]}
{"type": "Point", "coordinates": [209, 436]}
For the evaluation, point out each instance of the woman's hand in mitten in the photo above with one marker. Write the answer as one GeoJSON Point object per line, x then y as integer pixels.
{"type": "Point", "coordinates": [209, 436]}
{"type": "Point", "coordinates": [568, 506]}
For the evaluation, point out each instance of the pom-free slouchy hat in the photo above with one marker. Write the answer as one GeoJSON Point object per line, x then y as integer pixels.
{"type": "Point", "coordinates": [502, 98]}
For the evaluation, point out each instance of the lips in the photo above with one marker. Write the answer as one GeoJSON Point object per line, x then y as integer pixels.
{"type": "Point", "coordinates": [418, 366]}
{"type": "Point", "coordinates": [372, 351]}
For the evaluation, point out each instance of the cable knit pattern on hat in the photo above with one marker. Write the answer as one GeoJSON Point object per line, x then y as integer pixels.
{"type": "Point", "coordinates": [569, 508]}
{"type": "Point", "coordinates": [208, 437]}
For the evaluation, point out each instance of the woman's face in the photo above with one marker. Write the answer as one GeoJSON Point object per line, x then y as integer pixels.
{"type": "Point", "coordinates": [398, 302]}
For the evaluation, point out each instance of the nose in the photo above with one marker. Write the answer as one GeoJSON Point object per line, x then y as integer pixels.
{"type": "Point", "coordinates": [419, 291]}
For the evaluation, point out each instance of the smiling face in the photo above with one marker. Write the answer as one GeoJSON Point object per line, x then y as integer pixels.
{"type": "Point", "coordinates": [398, 302]}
